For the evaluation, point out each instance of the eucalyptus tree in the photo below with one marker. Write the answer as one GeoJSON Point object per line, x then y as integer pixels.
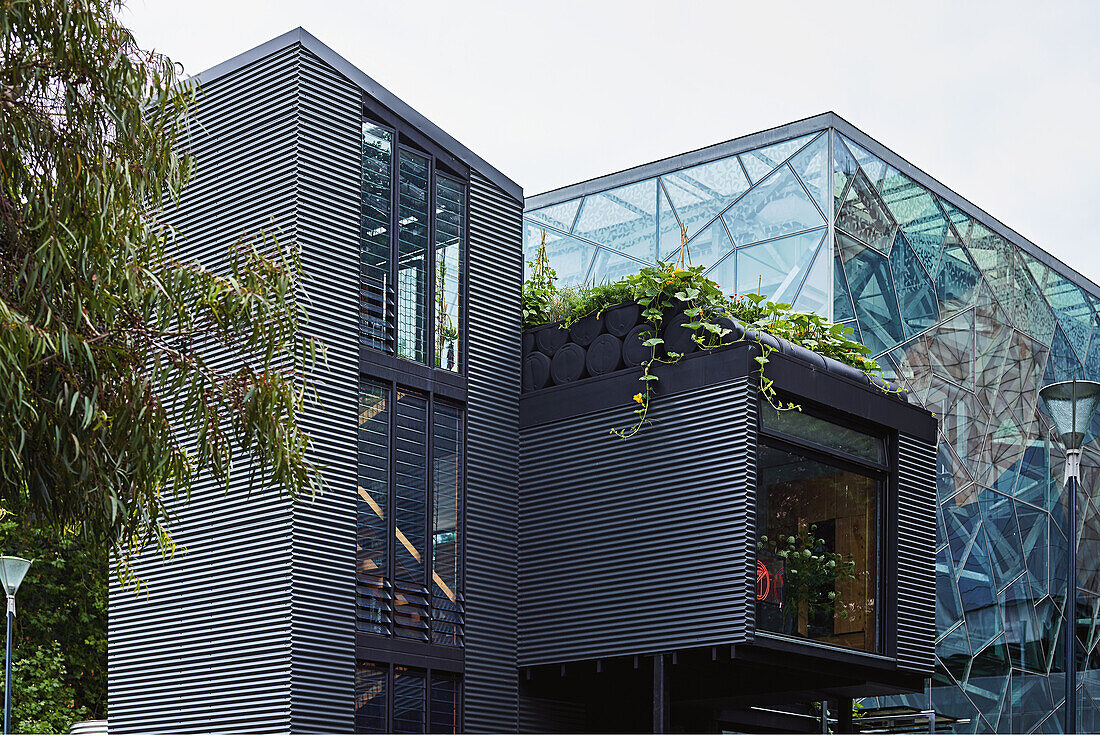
{"type": "Point", "coordinates": [110, 400]}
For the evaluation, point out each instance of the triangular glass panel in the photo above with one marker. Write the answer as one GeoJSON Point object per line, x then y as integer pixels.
{"type": "Point", "coordinates": [611, 265]}
{"type": "Point", "coordinates": [952, 348]}
{"type": "Point", "coordinates": [1003, 532]}
{"type": "Point", "coordinates": [844, 170]}
{"type": "Point", "coordinates": [701, 192]}
{"type": "Point", "coordinates": [760, 162]}
{"type": "Point", "coordinates": [777, 268]}
{"type": "Point", "coordinates": [624, 218]}
{"type": "Point", "coordinates": [814, 294]}
{"type": "Point", "coordinates": [872, 165]}
{"type": "Point", "coordinates": [1073, 310]}
{"type": "Point", "coordinates": [560, 216]}
{"type": "Point", "coordinates": [957, 216]}
{"type": "Point", "coordinates": [957, 278]}
{"type": "Point", "coordinates": [773, 208]}
{"type": "Point", "coordinates": [1023, 371]}
{"type": "Point", "coordinates": [1092, 357]}
{"type": "Point", "coordinates": [569, 257]}
{"type": "Point", "coordinates": [873, 294]}
{"type": "Point", "coordinates": [842, 300]}
{"type": "Point", "coordinates": [1063, 363]}
{"type": "Point", "coordinates": [916, 212]}
{"type": "Point", "coordinates": [914, 366]}
{"type": "Point", "coordinates": [668, 225]}
{"type": "Point", "coordinates": [953, 649]}
{"type": "Point", "coordinates": [709, 246]}
{"type": "Point", "coordinates": [1033, 315]}
{"type": "Point", "coordinates": [810, 164]}
{"type": "Point", "coordinates": [1038, 271]}
{"type": "Point", "coordinates": [724, 274]}
{"type": "Point", "coordinates": [864, 216]}
{"type": "Point", "coordinates": [916, 296]}
{"type": "Point", "coordinates": [994, 256]}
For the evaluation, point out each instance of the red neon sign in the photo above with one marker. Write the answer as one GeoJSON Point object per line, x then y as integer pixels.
{"type": "Point", "coordinates": [769, 584]}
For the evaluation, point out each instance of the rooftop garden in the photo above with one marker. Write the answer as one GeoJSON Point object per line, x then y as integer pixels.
{"type": "Point", "coordinates": [679, 291]}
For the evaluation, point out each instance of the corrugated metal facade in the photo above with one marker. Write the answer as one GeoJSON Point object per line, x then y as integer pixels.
{"type": "Point", "coordinates": [643, 545]}
{"type": "Point", "coordinates": [323, 567]}
{"type": "Point", "coordinates": [251, 628]}
{"type": "Point", "coordinates": [209, 648]}
{"type": "Point", "coordinates": [496, 267]}
{"type": "Point", "coordinates": [916, 546]}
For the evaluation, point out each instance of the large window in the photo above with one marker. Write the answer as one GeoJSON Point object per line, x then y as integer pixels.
{"type": "Point", "coordinates": [412, 241]}
{"type": "Point", "coordinates": [409, 556]}
{"type": "Point", "coordinates": [818, 512]}
{"type": "Point", "coordinates": [399, 699]}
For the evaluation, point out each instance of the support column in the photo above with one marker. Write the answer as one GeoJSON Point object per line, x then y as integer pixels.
{"type": "Point", "coordinates": [844, 716]}
{"type": "Point", "coordinates": [661, 703]}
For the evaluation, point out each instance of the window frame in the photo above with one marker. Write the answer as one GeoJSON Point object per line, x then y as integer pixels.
{"type": "Point", "coordinates": [885, 476]}
{"type": "Point", "coordinates": [440, 163]}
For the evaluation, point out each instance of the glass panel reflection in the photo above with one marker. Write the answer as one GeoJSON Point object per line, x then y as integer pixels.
{"type": "Point", "coordinates": [816, 567]}
{"type": "Point", "coordinates": [412, 257]}
{"type": "Point", "coordinates": [375, 239]}
{"type": "Point", "coordinates": [776, 269]}
{"type": "Point", "coordinates": [450, 211]}
{"type": "Point", "coordinates": [624, 219]}
{"type": "Point", "coordinates": [824, 433]}
{"type": "Point", "coordinates": [701, 192]}
{"type": "Point", "coordinates": [778, 206]}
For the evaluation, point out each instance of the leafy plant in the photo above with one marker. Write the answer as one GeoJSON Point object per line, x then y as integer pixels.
{"type": "Point", "coordinates": [109, 345]}
{"type": "Point", "coordinates": [666, 289]}
{"type": "Point", "coordinates": [810, 573]}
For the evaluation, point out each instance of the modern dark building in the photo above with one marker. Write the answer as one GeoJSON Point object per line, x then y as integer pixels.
{"type": "Point", "coordinates": [482, 561]}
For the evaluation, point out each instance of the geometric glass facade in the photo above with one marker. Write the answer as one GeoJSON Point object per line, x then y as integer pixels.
{"type": "Point", "coordinates": [958, 309]}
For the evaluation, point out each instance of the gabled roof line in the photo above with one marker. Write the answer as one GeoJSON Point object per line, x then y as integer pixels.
{"type": "Point", "coordinates": [310, 42]}
{"type": "Point", "coordinates": [794, 130]}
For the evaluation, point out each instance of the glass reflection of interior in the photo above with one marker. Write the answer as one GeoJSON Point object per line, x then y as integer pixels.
{"type": "Point", "coordinates": [817, 535]}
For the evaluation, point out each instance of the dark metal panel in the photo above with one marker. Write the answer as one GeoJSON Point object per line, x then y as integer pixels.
{"type": "Point", "coordinates": [209, 648]}
{"type": "Point", "coordinates": [302, 37]}
{"type": "Point", "coordinates": [641, 545]}
{"type": "Point", "coordinates": [323, 566]}
{"type": "Point", "coordinates": [916, 597]}
{"type": "Point", "coordinates": [495, 272]}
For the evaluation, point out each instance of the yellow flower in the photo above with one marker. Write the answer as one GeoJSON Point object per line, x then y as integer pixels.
{"type": "Point", "coordinates": [638, 398]}
{"type": "Point", "coordinates": [679, 270]}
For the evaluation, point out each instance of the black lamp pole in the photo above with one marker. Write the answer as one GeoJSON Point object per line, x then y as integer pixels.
{"type": "Point", "coordinates": [1070, 406]}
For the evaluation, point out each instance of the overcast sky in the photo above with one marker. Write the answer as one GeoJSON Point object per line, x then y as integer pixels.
{"type": "Point", "coordinates": [997, 100]}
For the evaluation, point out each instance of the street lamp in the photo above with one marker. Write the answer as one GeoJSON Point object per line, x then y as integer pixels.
{"type": "Point", "coordinates": [12, 570]}
{"type": "Point", "coordinates": [1070, 405]}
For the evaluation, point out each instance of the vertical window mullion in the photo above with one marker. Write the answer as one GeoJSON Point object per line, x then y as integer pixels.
{"type": "Point", "coordinates": [431, 280]}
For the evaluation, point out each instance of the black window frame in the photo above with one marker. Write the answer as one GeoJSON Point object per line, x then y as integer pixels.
{"type": "Point", "coordinates": [440, 162]}
{"type": "Point", "coordinates": [429, 672]}
{"type": "Point", "coordinates": [392, 387]}
{"type": "Point", "coordinates": [885, 475]}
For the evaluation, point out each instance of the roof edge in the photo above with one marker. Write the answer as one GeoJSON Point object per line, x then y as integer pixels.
{"type": "Point", "coordinates": [368, 85]}
{"type": "Point", "coordinates": [792, 130]}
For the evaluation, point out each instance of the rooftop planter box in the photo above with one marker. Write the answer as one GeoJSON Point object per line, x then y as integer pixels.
{"type": "Point", "coordinates": [784, 554]}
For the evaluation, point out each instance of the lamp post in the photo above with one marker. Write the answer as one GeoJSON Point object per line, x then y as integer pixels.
{"type": "Point", "coordinates": [12, 570]}
{"type": "Point", "coordinates": [1070, 405]}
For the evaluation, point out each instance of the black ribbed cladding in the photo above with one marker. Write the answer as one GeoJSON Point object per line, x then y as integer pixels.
{"type": "Point", "coordinates": [495, 275]}
{"type": "Point", "coordinates": [207, 650]}
{"type": "Point", "coordinates": [250, 626]}
{"type": "Point", "coordinates": [916, 550]}
{"type": "Point", "coordinates": [639, 545]}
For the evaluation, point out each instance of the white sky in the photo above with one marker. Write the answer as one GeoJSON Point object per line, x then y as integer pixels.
{"type": "Point", "coordinates": [997, 100]}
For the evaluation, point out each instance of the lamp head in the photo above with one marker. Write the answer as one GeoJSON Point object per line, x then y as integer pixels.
{"type": "Point", "coordinates": [12, 570]}
{"type": "Point", "coordinates": [1070, 406]}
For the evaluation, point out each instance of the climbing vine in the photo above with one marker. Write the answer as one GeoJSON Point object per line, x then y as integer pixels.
{"type": "Point", "coordinates": [668, 289]}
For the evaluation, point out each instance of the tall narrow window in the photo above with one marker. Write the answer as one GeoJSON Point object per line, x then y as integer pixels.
{"type": "Point", "coordinates": [375, 239]}
{"type": "Point", "coordinates": [412, 256]}
{"type": "Point", "coordinates": [446, 526]}
{"type": "Point", "coordinates": [409, 696]}
{"type": "Point", "coordinates": [449, 217]}
{"type": "Point", "coordinates": [370, 697]}
{"type": "Point", "coordinates": [411, 516]}
{"type": "Point", "coordinates": [444, 707]}
{"type": "Point", "coordinates": [373, 598]}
